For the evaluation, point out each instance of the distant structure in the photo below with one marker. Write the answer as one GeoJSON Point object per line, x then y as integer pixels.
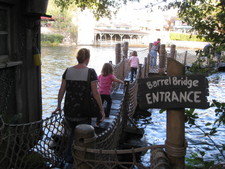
{"type": "Point", "coordinates": [109, 32]}
{"type": "Point", "coordinates": [118, 33]}
{"type": "Point", "coordinates": [181, 27]}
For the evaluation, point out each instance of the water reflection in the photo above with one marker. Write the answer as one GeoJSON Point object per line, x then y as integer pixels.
{"type": "Point", "coordinates": [56, 59]}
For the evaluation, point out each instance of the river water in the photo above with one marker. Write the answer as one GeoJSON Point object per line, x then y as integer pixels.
{"type": "Point", "coordinates": [56, 59]}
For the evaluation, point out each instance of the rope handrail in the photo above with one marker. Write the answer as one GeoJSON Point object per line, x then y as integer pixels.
{"type": "Point", "coordinates": [32, 123]}
{"type": "Point", "coordinates": [126, 151]}
{"type": "Point", "coordinates": [40, 144]}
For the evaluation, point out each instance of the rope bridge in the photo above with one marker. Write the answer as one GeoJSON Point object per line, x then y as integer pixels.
{"type": "Point", "coordinates": [40, 144]}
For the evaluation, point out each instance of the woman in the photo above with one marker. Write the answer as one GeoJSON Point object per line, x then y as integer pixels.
{"type": "Point", "coordinates": [75, 84]}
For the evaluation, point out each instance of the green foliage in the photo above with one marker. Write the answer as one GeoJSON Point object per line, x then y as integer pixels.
{"type": "Point", "coordinates": [196, 161]}
{"type": "Point", "coordinates": [103, 8]}
{"type": "Point", "coordinates": [204, 64]}
{"type": "Point", "coordinates": [51, 39]}
{"type": "Point", "coordinates": [65, 21]}
{"type": "Point", "coordinates": [190, 116]}
{"type": "Point", "coordinates": [197, 68]}
{"type": "Point", "coordinates": [184, 37]}
{"type": "Point", "coordinates": [207, 17]}
{"type": "Point", "coordinates": [220, 112]}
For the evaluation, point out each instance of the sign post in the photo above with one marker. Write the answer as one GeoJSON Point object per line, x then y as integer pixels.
{"type": "Point", "coordinates": [174, 92]}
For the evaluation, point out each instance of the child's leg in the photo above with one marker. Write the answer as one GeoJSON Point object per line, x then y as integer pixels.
{"type": "Point", "coordinates": [109, 104]}
{"type": "Point", "coordinates": [135, 71]}
{"type": "Point", "coordinates": [132, 73]}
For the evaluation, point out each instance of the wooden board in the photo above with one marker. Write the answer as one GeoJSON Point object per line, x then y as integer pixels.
{"type": "Point", "coordinates": [169, 92]}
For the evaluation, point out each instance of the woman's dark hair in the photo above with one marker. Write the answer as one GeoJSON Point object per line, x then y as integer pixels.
{"type": "Point", "coordinates": [82, 55]}
{"type": "Point", "coordinates": [107, 69]}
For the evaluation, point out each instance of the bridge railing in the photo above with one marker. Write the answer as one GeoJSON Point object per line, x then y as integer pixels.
{"type": "Point", "coordinates": [40, 144]}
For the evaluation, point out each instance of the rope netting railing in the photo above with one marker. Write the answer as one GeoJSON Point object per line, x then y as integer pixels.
{"type": "Point", "coordinates": [131, 98]}
{"type": "Point", "coordinates": [141, 53]}
{"type": "Point", "coordinates": [121, 70]}
{"type": "Point", "coordinates": [109, 138]}
{"type": "Point", "coordinates": [186, 57]}
{"type": "Point", "coordinates": [126, 159]}
{"type": "Point", "coordinates": [32, 145]}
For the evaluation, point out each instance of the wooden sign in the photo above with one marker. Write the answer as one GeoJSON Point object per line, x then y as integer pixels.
{"type": "Point", "coordinates": [168, 92]}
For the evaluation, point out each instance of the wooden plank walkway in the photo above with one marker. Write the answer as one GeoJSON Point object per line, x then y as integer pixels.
{"type": "Point", "coordinates": [117, 97]}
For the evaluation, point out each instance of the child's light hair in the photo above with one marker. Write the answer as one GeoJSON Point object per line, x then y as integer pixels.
{"type": "Point", "coordinates": [107, 69]}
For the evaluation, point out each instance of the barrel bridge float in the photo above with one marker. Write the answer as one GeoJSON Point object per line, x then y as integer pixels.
{"type": "Point", "coordinates": [40, 144]}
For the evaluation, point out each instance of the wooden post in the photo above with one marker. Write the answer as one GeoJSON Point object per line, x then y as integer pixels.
{"type": "Point", "coordinates": [175, 138]}
{"type": "Point", "coordinates": [185, 58]}
{"type": "Point", "coordinates": [173, 51]}
{"type": "Point", "coordinates": [162, 59]}
{"type": "Point", "coordinates": [140, 72]}
{"type": "Point", "coordinates": [85, 137]}
{"type": "Point", "coordinates": [118, 53]}
{"type": "Point", "coordinates": [146, 68]}
{"type": "Point", "coordinates": [125, 49]}
{"type": "Point", "coordinates": [149, 50]}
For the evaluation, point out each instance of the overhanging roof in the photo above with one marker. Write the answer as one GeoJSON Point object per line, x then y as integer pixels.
{"type": "Point", "coordinates": [118, 31]}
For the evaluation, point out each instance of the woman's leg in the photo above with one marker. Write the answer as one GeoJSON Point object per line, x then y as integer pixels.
{"type": "Point", "coordinates": [70, 128]}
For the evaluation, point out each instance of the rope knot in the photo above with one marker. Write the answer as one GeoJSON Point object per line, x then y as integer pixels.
{"type": "Point", "coordinates": [174, 150]}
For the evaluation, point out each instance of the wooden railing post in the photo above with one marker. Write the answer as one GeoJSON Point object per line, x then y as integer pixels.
{"type": "Point", "coordinates": [175, 137]}
{"type": "Point", "coordinates": [125, 49]}
{"type": "Point", "coordinates": [162, 59]}
{"type": "Point", "coordinates": [146, 67]}
{"type": "Point", "coordinates": [173, 51]}
{"type": "Point", "coordinates": [85, 137]}
{"type": "Point", "coordinates": [149, 56]}
{"type": "Point", "coordinates": [118, 53]}
{"type": "Point", "coordinates": [140, 72]}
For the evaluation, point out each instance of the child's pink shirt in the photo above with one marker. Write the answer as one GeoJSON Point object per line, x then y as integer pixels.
{"type": "Point", "coordinates": [105, 84]}
{"type": "Point", "coordinates": [134, 61]}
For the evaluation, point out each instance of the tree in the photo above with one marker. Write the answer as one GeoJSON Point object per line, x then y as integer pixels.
{"type": "Point", "coordinates": [207, 17]}
{"type": "Point", "coordinates": [100, 8]}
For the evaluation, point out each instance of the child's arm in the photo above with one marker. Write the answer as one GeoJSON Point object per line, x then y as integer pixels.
{"type": "Point", "coordinates": [118, 80]}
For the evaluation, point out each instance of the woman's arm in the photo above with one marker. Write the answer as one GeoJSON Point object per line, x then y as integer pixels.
{"type": "Point", "coordinates": [97, 97]}
{"type": "Point", "coordinates": [60, 95]}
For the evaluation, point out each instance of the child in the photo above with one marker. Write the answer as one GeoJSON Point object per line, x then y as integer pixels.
{"type": "Point", "coordinates": [153, 53]}
{"type": "Point", "coordinates": [133, 62]}
{"type": "Point", "coordinates": [105, 81]}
